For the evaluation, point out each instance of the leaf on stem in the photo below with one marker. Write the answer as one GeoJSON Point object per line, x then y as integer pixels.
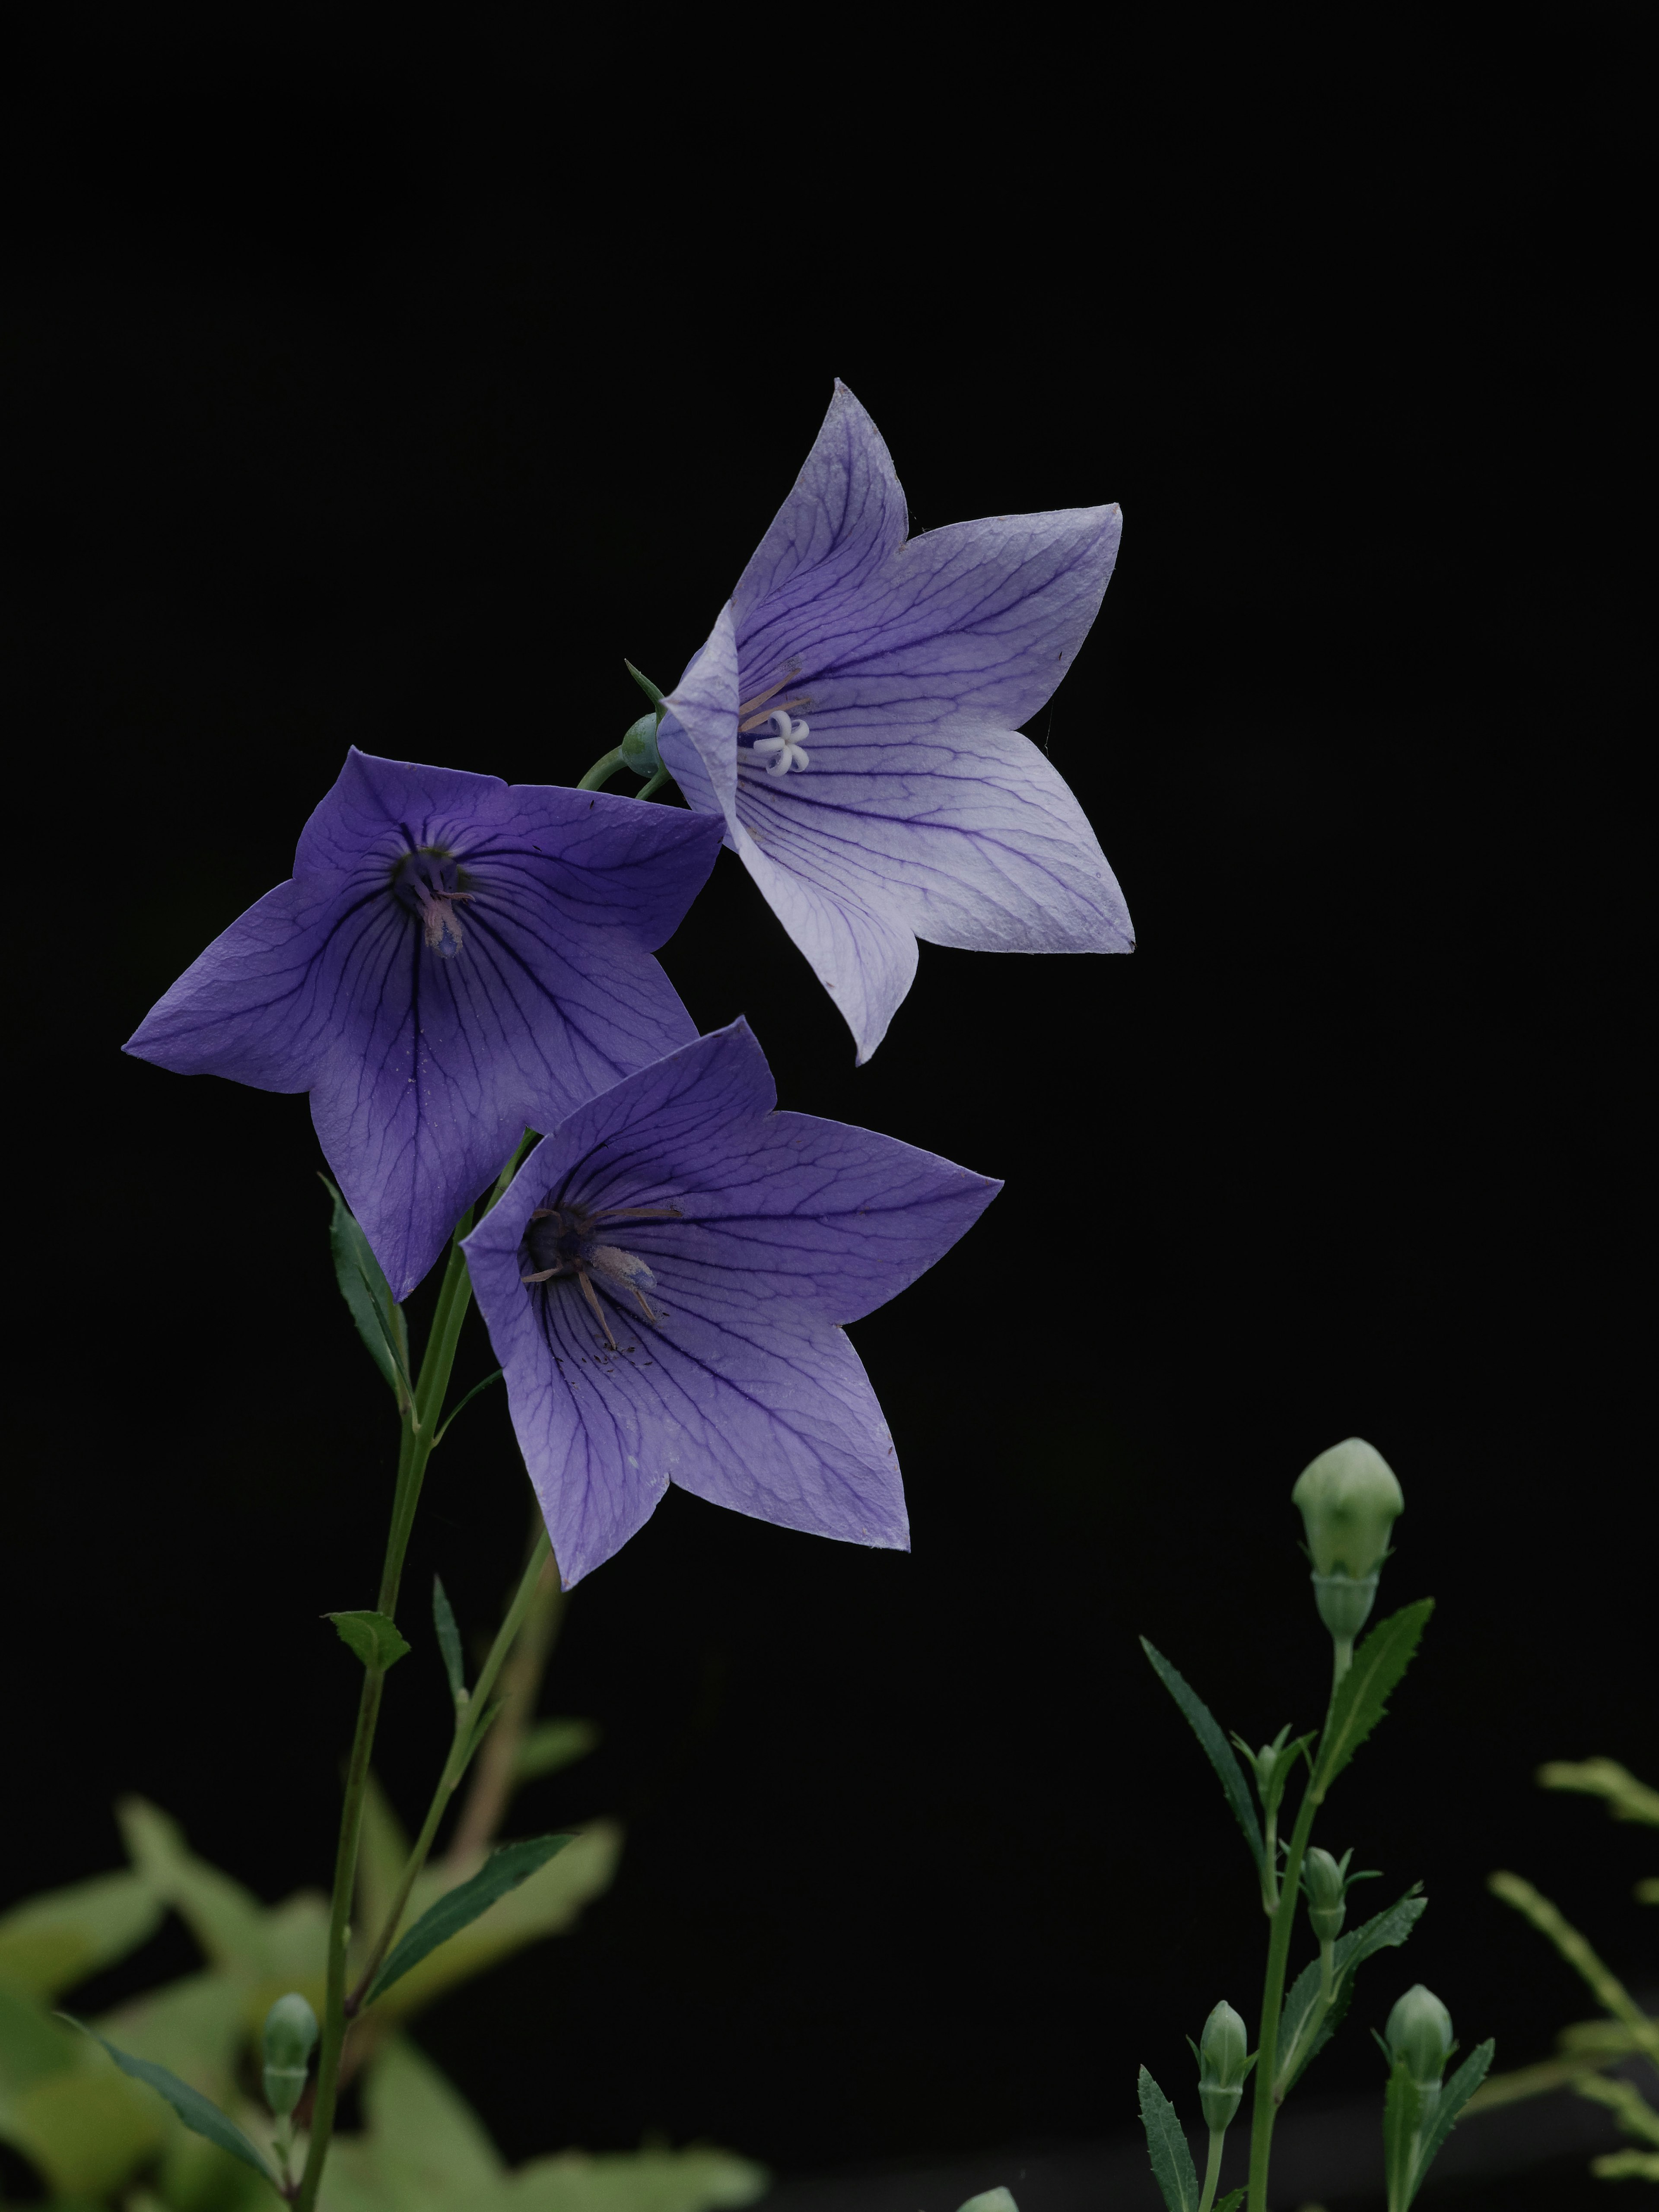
{"type": "Point", "coordinates": [1361, 1698]}
{"type": "Point", "coordinates": [1204, 1727]}
{"type": "Point", "coordinates": [449, 1639]}
{"type": "Point", "coordinates": [198, 2114]}
{"type": "Point", "coordinates": [503, 1871]}
{"type": "Point", "coordinates": [1402, 2111]}
{"type": "Point", "coordinates": [374, 1637]}
{"type": "Point", "coordinates": [1453, 2098]}
{"type": "Point", "coordinates": [1232, 2200]}
{"type": "Point", "coordinates": [368, 1294]}
{"type": "Point", "coordinates": [1166, 2146]}
{"type": "Point", "coordinates": [1385, 1932]}
{"type": "Point", "coordinates": [462, 1405]}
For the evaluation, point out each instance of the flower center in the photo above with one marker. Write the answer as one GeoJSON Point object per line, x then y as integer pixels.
{"type": "Point", "coordinates": [430, 883]}
{"type": "Point", "coordinates": [785, 748]}
{"type": "Point", "coordinates": [560, 1246]}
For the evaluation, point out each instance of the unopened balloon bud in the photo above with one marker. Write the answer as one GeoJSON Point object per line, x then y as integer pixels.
{"type": "Point", "coordinates": [290, 2035]}
{"type": "Point", "coordinates": [1420, 2035]}
{"type": "Point", "coordinates": [639, 746]}
{"type": "Point", "coordinates": [1349, 1500]}
{"type": "Point", "coordinates": [1324, 1880]}
{"type": "Point", "coordinates": [1224, 2060]}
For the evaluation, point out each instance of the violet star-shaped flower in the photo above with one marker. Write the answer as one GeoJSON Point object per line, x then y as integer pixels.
{"type": "Point", "coordinates": [853, 716]}
{"type": "Point", "coordinates": [664, 1285]}
{"type": "Point", "coordinates": [454, 959]}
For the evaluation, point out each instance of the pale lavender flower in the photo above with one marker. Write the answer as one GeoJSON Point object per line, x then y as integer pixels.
{"type": "Point", "coordinates": [664, 1285]}
{"type": "Point", "coordinates": [454, 959]}
{"type": "Point", "coordinates": [853, 720]}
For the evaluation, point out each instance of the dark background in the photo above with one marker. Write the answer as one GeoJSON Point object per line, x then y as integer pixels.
{"type": "Point", "coordinates": [390, 398]}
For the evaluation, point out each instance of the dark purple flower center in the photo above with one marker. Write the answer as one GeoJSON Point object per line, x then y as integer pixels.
{"type": "Point", "coordinates": [431, 882]}
{"type": "Point", "coordinates": [561, 1244]}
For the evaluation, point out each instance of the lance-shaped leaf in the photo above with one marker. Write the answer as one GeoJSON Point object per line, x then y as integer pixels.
{"type": "Point", "coordinates": [503, 1871]}
{"type": "Point", "coordinates": [1204, 1727]}
{"type": "Point", "coordinates": [1362, 1696]}
{"type": "Point", "coordinates": [550, 1745]}
{"type": "Point", "coordinates": [198, 2114]}
{"type": "Point", "coordinates": [449, 1639]}
{"type": "Point", "coordinates": [1385, 1932]}
{"type": "Point", "coordinates": [378, 1317]}
{"type": "Point", "coordinates": [48, 1943]}
{"type": "Point", "coordinates": [1453, 2098]}
{"type": "Point", "coordinates": [374, 1637]}
{"type": "Point", "coordinates": [1166, 2146]}
{"type": "Point", "coordinates": [1402, 2111]}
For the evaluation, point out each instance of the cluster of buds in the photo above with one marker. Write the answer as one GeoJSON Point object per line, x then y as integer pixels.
{"type": "Point", "coordinates": [1350, 1499]}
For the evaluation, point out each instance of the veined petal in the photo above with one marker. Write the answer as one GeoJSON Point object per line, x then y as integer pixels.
{"type": "Point", "coordinates": [865, 958]}
{"type": "Point", "coordinates": [844, 516]}
{"type": "Point", "coordinates": [698, 737]}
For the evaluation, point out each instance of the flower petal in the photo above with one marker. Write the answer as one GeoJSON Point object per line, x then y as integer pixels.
{"type": "Point", "coordinates": [843, 517]}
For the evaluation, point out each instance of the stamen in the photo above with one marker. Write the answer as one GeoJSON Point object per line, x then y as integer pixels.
{"type": "Point", "coordinates": [755, 720]}
{"type": "Point", "coordinates": [589, 1293]}
{"type": "Point", "coordinates": [772, 690]}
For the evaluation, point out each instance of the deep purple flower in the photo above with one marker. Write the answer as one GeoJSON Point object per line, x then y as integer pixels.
{"type": "Point", "coordinates": [454, 959]}
{"type": "Point", "coordinates": [853, 721]}
{"type": "Point", "coordinates": [665, 1283]}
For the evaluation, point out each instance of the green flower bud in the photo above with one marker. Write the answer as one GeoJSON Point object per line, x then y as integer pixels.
{"type": "Point", "coordinates": [1224, 2060]}
{"type": "Point", "coordinates": [1324, 1880]}
{"type": "Point", "coordinates": [639, 746]}
{"type": "Point", "coordinates": [291, 2035]}
{"type": "Point", "coordinates": [1419, 2032]}
{"type": "Point", "coordinates": [1349, 1499]}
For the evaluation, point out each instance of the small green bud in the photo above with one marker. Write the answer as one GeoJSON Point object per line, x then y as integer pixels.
{"type": "Point", "coordinates": [639, 746]}
{"type": "Point", "coordinates": [290, 2035]}
{"type": "Point", "coordinates": [1419, 2032]}
{"type": "Point", "coordinates": [1349, 1499]}
{"type": "Point", "coordinates": [1224, 2060]}
{"type": "Point", "coordinates": [1324, 1880]}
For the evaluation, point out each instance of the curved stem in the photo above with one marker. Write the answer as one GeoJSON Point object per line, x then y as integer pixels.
{"type": "Point", "coordinates": [1266, 2109]}
{"type": "Point", "coordinates": [602, 770]}
{"type": "Point", "coordinates": [653, 785]}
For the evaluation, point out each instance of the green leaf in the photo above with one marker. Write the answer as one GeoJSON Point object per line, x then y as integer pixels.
{"type": "Point", "coordinates": [228, 1920]}
{"type": "Point", "coordinates": [1402, 2114]}
{"type": "Point", "coordinates": [368, 1294]}
{"type": "Point", "coordinates": [1232, 2200]}
{"type": "Point", "coordinates": [553, 1744]}
{"type": "Point", "coordinates": [48, 1943]}
{"type": "Point", "coordinates": [991, 2200]}
{"type": "Point", "coordinates": [1453, 2098]}
{"type": "Point", "coordinates": [1166, 2142]}
{"type": "Point", "coordinates": [1361, 1697]}
{"type": "Point", "coordinates": [503, 1871]}
{"type": "Point", "coordinates": [1384, 1932]}
{"type": "Point", "coordinates": [374, 1637]}
{"type": "Point", "coordinates": [1215, 1744]}
{"type": "Point", "coordinates": [197, 2113]}
{"type": "Point", "coordinates": [645, 683]}
{"type": "Point", "coordinates": [461, 1407]}
{"type": "Point", "coordinates": [449, 1639]}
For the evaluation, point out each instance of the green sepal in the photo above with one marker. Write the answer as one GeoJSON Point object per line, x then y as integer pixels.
{"type": "Point", "coordinates": [1204, 1727]}
{"type": "Point", "coordinates": [374, 1637]}
{"type": "Point", "coordinates": [644, 684]}
{"type": "Point", "coordinates": [503, 1871]}
{"type": "Point", "coordinates": [1385, 1932]}
{"type": "Point", "coordinates": [1166, 2146]}
{"type": "Point", "coordinates": [199, 2113]}
{"type": "Point", "coordinates": [1283, 1757]}
{"type": "Point", "coordinates": [1402, 2111]}
{"type": "Point", "coordinates": [1453, 2098]}
{"type": "Point", "coordinates": [449, 1640]}
{"type": "Point", "coordinates": [1362, 1696]}
{"type": "Point", "coordinates": [363, 1285]}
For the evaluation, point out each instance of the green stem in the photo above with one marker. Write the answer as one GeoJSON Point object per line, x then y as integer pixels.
{"type": "Point", "coordinates": [1270, 1863]}
{"type": "Point", "coordinates": [1212, 2171]}
{"type": "Point", "coordinates": [468, 1727]}
{"type": "Point", "coordinates": [1266, 2109]}
{"type": "Point", "coordinates": [651, 788]}
{"type": "Point", "coordinates": [602, 771]}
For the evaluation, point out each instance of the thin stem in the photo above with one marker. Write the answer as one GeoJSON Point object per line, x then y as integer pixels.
{"type": "Point", "coordinates": [654, 784]}
{"type": "Point", "coordinates": [1327, 1978]}
{"type": "Point", "coordinates": [1266, 2109]}
{"type": "Point", "coordinates": [1213, 2170]}
{"type": "Point", "coordinates": [531, 1629]}
{"type": "Point", "coordinates": [469, 1722]}
{"type": "Point", "coordinates": [602, 771]}
{"type": "Point", "coordinates": [1270, 1863]}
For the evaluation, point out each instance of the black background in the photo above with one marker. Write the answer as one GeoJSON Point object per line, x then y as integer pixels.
{"type": "Point", "coordinates": [390, 398]}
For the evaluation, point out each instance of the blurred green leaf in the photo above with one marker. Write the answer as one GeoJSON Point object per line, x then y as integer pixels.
{"type": "Point", "coordinates": [373, 1638]}
{"type": "Point", "coordinates": [378, 1317]}
{"type": "Point", "coordinates": [48, 1943]}
{"type": "Point", "coordinates": [1166, 2146]}
{"type": "Point", "coordinates": [503, 1871]}
{"type": "Point", "coordinates": [991, 2200]}
{"type": "Point", "coordinates": [1217, 1748]}
{"type": "Point", "coordinates": [449, 1639]}
{"type": "Point", "coordinates": [382, 1854]}
{"type": "Point", "coordinates": [32, 2046]}
{"type": "Point", "coordinates": [425, 2149]}
{"type": "Point", "coordinates": [692, 2180]}
{"type": "Point", "coordinates": [87, 2133]}
{"type": "Point", "coordinates": [199, 2113]}
{"type": "Point", "coordinates": [1627, 1799]}
{"type": "Point", "coordinates": [1362, 1696]}
{"type": "Point", "coordinates": [552, 1744]}
{"type": "Point", "coordinates": [224, 1917]}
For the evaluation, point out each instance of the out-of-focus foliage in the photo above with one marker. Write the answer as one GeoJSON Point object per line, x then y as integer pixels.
{"type": "Point", "coordinates": [1627, 2038]}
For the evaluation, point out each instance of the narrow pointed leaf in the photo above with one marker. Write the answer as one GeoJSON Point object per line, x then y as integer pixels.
{"type": "Point", "coordinates": [374, 1637]}
{"type": "Point", "coordinates": [199, 2113]}
{"type": "Point", "coordinates": [1402, 2111]}
{"type": "Point", "coordinates": [462, 1405]}
{"type": "Point", "coordinates": [449, 1639]}
{"type": "Point", "coordinates": [1362, 1700]}
{"type": "Point", "coordinates": [645, 683]}
{"type": "Point", "coordinates": [1453, 2098]}
{"type": "Point", "coordinates": [1383, 1932]}
{"type": "Point", "coordinates": [368, 1294]}
{"type": "Point", "coordinates": [1220, 1753]}
{"type": "Point", "coordinates": [1166, 2146]}
{"type": "Point", "coordinates": [503, 1871]}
